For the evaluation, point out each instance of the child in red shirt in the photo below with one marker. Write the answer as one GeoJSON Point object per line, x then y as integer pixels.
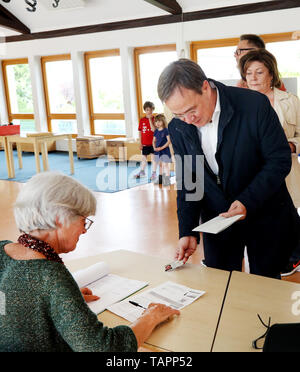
{"type": "Point", "coordinates": [146, 130]}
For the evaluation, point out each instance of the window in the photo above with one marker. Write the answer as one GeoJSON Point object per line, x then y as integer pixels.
{"type": "Point", "coordinates": [105, 93]}
{"type": "Point", "coordinates": [17, 83]}
{"type": "Point", "coordinates": [288, 60]}
{"type": "Point", "coordinates": [149, 63]}
{"type": "Point", "coordinates": [59, 94]}
{"type": "Point", "coordinates": [217, 60]}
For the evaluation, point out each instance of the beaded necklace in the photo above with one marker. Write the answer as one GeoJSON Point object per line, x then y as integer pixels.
{"type": "Point", "coordinates": [40, 246]}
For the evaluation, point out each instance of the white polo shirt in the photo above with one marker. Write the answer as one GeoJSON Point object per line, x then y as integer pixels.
{"type": "Point", "coordinates": [208, 135]}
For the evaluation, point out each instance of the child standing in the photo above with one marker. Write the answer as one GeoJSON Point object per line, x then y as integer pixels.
{"type": "Point", "coordinates": [162, 154]}
{"type": "Point", "coordinates": [146, 129]}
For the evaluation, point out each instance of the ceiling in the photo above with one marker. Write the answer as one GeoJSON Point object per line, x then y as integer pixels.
{"type": "Point", "coordinates": [94, 12]}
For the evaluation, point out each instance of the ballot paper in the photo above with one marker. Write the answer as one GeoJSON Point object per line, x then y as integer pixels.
{"type": "Point", "coordinates": [217, 224]}
{"type": "Point", "coordinates": [169, 293]}
{"type": "Point", "coordinates": [109, 287]}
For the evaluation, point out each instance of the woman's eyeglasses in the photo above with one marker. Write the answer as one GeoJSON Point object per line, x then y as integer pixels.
{"type": "Point", "coordinates": [88, 223]}
{"type": "Point", "coordinates": [258, 343]}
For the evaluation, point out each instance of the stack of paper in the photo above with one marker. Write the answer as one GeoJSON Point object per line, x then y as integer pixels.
{"type": "Point", "coordinates": [109, 287]}
{"type": "Point", "coordinates": [169, 293]}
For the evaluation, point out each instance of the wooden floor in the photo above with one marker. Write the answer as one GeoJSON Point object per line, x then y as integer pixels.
{"type": "Point", "coordinates": [142, 219]}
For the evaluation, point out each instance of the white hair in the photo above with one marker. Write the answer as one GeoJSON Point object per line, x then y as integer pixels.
{"type": "Point", "coordinates": [49, 196]}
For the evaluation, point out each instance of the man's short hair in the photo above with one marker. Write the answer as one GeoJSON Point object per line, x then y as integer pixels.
{"type": "Point", "coordinates": [183, 73]}
{"type": "Point", "coordinates": [254, 40]}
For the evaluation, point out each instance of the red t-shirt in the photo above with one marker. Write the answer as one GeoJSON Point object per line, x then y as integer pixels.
{"type": "Point", "coordinates": [146, 131]}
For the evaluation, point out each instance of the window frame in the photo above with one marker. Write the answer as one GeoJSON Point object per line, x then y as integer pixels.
{"type": "Point", "coordinates": [137, 70]}
{"type": "Point", "coordinates": [11, 115]}
{"type": "Point", "coordinates": [218, 43]}
{"type": "Point", "coordinates": [97, 116]}
{"type": "Point", "coordinates": [54, 116]}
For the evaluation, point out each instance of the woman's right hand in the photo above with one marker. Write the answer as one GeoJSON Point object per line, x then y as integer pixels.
{"type": "Point", "coordinates": [160, 312]}
{"type": "Point", "coordinates": [154, 315]}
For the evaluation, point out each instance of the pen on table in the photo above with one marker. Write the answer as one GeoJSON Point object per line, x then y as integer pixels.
{"type": "Point", "coordinates": [136, 304]}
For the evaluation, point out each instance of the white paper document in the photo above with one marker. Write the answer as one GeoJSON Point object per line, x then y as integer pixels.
{"type": "Point", "coordinates": [217, 224]}
{"type": "Point", "coordinates": [169, 293]}
{"type": "Point", "coordinates": [109, 287]}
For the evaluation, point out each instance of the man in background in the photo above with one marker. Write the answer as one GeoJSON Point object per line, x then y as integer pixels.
{"type": "Point", "coordinates": [247, 43]}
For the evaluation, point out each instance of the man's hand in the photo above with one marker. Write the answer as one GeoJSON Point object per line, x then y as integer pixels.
{"type": "Point", "coordinates": [88, 295]}
{"type": "Point", "coordinates": [235, 208]}
{"type": "Point", "coordinates": [186, 247]}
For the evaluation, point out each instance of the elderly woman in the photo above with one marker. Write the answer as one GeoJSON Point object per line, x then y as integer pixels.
{"type": "Point", "coordinates": [259, 69]}
{"type": "Point", "coordinates": [44, 308]}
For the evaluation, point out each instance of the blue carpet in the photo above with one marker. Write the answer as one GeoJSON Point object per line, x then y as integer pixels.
{"type": "Point", "coordinates": [96, 174]}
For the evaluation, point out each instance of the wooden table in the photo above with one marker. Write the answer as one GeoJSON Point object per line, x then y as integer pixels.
{"type": "Point", "coordinates": [247, 296]}
{"type": "Point", "coordinates": [195, 328]}
{"type": "Point", "coordinates": [36, 141]}
{"type": "Point", "coordinates": [3, 140]}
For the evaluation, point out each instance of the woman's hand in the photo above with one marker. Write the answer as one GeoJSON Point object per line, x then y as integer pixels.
{"type": "Point", "coordinates": [160, 312]}
{"type": "Point", "coordinates": [88, 295]}
{"type": "Point", "coordinates": [154, 315]}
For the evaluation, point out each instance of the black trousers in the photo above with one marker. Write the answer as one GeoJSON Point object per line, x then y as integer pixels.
{"type": "Point", "coordinates": [269, 245]}
{"type": "Point", "coordinates": [296, 254]}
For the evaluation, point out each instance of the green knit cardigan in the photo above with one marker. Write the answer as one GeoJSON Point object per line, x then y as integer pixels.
{"type": "Point", "coordinates": [42, 310]}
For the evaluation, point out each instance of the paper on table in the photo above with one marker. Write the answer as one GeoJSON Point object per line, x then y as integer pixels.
{"type": "Point", "coordinates": [109, 287]}
{"type": "Point", "coordinates": [86, 276]}
{"type": "Point", "coordinates": [217, 224]}
{"type": "Point", "coordinates": [169, 293]}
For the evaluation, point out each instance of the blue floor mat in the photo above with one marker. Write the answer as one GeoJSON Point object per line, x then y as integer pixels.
{"type": "Point", "coordinates": [96, 174]}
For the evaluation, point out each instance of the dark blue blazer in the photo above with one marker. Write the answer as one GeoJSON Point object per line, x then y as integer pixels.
{"type": "Point", "coordinates": [254, 159]}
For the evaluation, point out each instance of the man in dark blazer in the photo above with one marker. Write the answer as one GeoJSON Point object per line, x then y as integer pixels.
{"type": "Point", "coordinates": [246, 161]}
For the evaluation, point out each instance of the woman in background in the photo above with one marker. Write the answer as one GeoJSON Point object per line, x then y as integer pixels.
{"type": "Point", "coordinates": [259, 69]}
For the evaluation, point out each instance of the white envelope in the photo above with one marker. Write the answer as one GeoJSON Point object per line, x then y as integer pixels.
{"type": "Point", "coordinates": [217, 224]}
